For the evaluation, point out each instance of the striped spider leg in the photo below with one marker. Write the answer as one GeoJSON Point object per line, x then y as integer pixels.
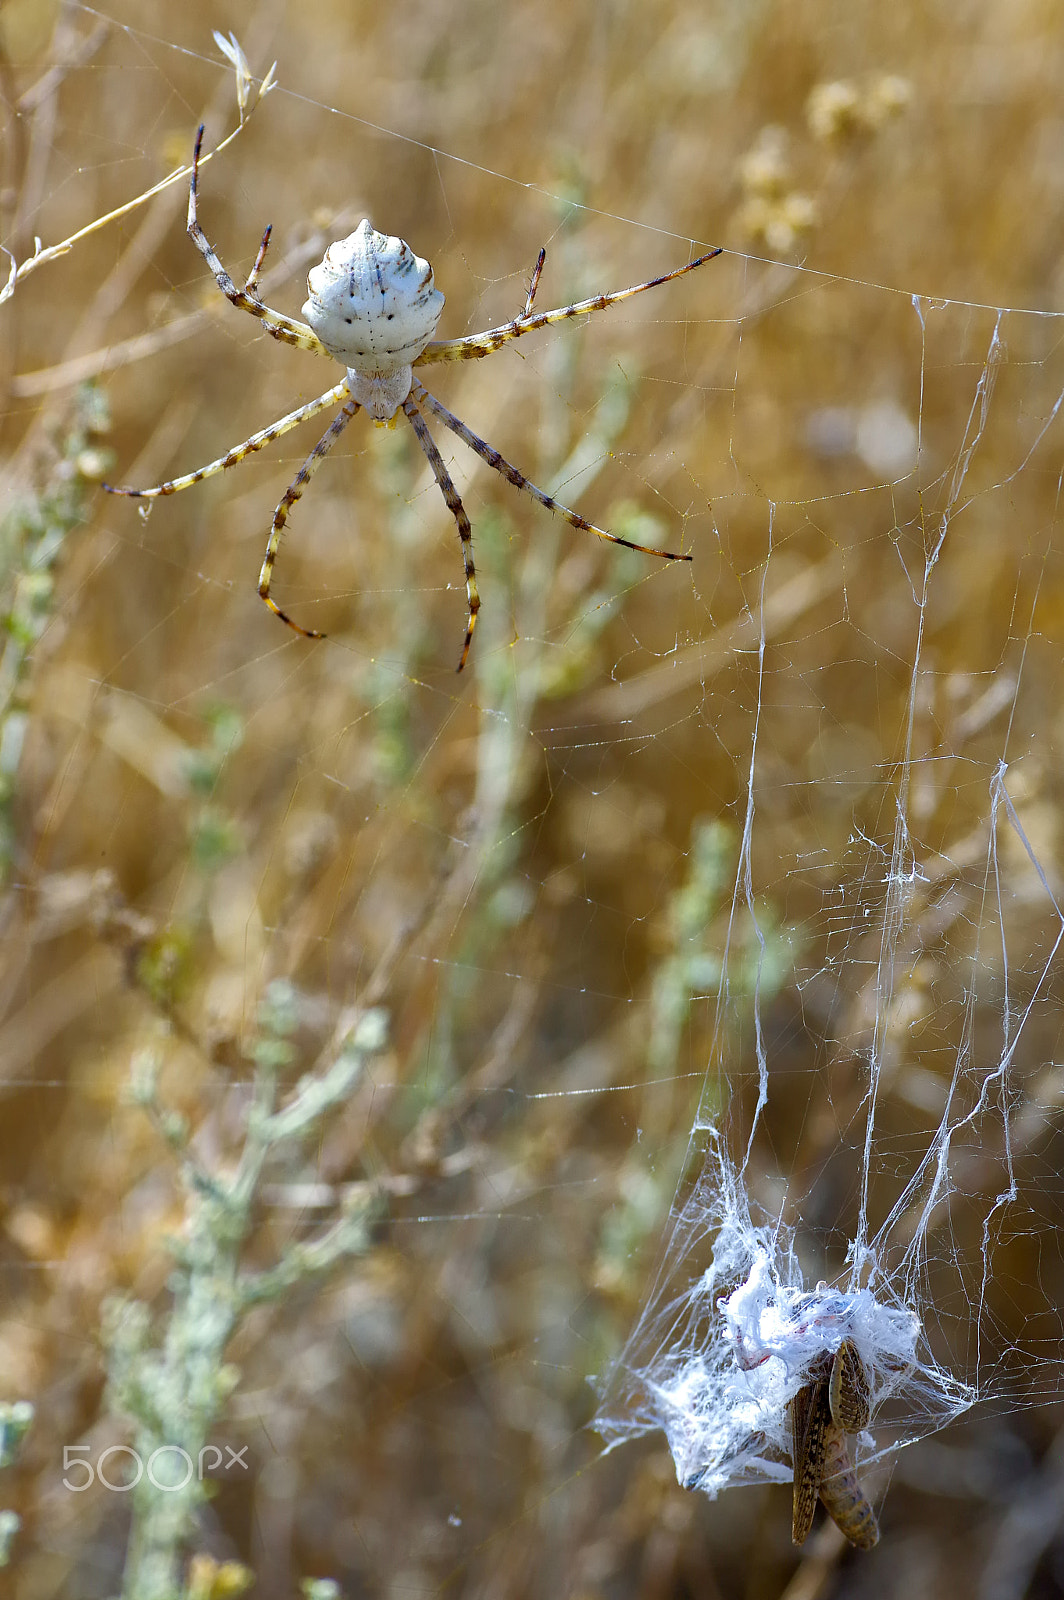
{"type": "Point", "coordinates": [373, 306]}
{"type": "Point", "coordinates": [834, 1403]}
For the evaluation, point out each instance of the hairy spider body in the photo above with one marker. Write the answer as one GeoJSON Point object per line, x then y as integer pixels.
{"type": "Point", "coordinates": [372, 305]}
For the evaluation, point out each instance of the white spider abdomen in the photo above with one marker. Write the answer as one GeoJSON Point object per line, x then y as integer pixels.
{"type": "Point", "coordinates": [373, 305]}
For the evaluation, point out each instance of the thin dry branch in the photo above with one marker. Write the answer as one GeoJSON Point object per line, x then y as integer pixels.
{"type": "Point", "coordinates": [42, 254]}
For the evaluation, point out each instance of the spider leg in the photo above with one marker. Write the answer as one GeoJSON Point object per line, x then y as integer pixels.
{"type": "Point", "coordinates": [489, 454]}
{"type": "Point", "coordinates": [288, 500]}
{"type": "Point", "coordinates": [537, 272]}
{"type": "Point", "coordinates": [251, 284]}
{"type": "Point", "coordinates": [483, 344]}
{"type": "Point", "coordinates": [457, 510]}
{"type": "Point", "coordinates": [258, 441]}
{"type": "Point", "coordinates": [288, 329]}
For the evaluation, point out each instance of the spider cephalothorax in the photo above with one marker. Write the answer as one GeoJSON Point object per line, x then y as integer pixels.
{"type": "Point", "coordinates": [372, 305]}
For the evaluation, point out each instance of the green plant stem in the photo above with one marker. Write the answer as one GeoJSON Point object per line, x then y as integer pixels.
{"type": "Point", "coordinates": [176, 1393]}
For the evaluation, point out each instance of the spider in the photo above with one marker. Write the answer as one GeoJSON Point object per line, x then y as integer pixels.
{"type": "Point", "coordinates": [372, 305]}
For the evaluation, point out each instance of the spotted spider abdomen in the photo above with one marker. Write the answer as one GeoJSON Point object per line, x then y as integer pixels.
{"type": "Point", "coordinates": [373, 305]}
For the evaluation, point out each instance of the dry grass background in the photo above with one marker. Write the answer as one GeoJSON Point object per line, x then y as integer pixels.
{"type": "Point", "coordinates": [205, 803]}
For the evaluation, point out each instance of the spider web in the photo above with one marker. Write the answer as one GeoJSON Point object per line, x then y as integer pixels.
{"type": "Point", "coordinates": [715, 909]}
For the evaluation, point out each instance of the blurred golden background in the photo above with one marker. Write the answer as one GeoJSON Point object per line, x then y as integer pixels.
{"type": "Point", "coordinates": [530, 867]}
